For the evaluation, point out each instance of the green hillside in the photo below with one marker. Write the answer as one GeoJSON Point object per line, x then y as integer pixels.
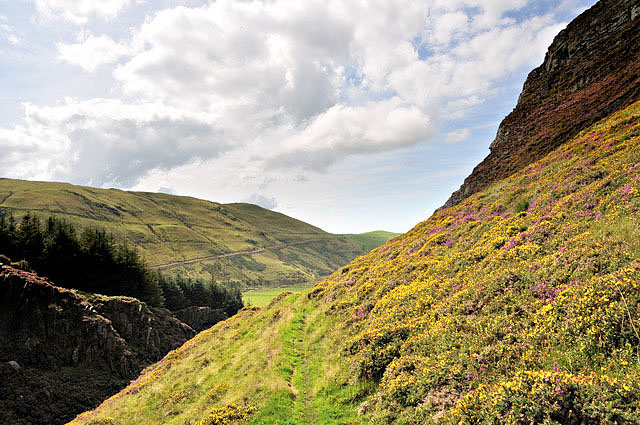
{"type": "Point", "coordinates": [168, 229]}
{"type": "Point", "coordinates": [372, 240]}
{"type": "Point", "coordinates": [519, 305]}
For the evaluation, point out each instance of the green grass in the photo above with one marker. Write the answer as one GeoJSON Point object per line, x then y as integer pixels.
{"type": "Point", "coordinates": [371, 240]}
{"type": "Point", "coordinates": [167, 228]}
{"type": "Point", "coordinates": [263, 296]}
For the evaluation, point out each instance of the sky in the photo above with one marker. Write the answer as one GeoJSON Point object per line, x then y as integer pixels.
{"type": "Point", "coordinates": [352, 115]}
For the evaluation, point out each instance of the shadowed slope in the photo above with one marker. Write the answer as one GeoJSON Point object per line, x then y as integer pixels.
{"type": "Point", "coordinates": [61, 353]}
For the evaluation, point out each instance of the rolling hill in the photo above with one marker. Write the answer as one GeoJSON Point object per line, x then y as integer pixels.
{"type": "Point", "coordinates": [372, 240]}
{"type": "Point", "coordinates": [240, 244]}
{"type": "Point", "coordinates": [519, 303]}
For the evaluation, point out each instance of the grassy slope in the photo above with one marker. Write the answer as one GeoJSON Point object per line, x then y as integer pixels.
{"type": "Point", "coordinates": [169, 228]}
{"type": "Point", "coordinates": [372, 240]}
{"type": "Point", "coordinates": [520, 304]}
{"type": "Point", "coordinates": [286, 353]}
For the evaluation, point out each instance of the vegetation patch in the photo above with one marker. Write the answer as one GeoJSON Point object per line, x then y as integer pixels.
{"type": "Point", "coordinates": [227, 415]}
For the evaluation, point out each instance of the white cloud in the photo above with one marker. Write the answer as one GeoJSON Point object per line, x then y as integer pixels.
{"type": "Point", "coordinates": [8, 32]}
{"type": "Point", "coordinates": [91, 52]}
{"type": "Point", "coordinates": [448, 25]}
{"type": "Point", "coordinates": [261, 60]}
{"type": "Point", "coordinates": [261, 200]}
{"type": "Point", "coordinates": [468, 71]}
{"type": "Point", "coordinates": [457, 136]}
{"type": "Point", "coordinates": [79, 11]}
{"type": "Point", "coordinates": [106, 142]}
{"type": "Point", "coordinates": [343, 130]}
{"type": "Point", "coordinates": [271, 86]}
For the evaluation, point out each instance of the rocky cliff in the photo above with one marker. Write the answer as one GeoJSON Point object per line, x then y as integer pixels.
{"type": "Point", "coordinates": [61, 353]}
{"type": "Point", "coordinates": [200, 318]}
{"type": "Point", "coordinates": [591, 69]}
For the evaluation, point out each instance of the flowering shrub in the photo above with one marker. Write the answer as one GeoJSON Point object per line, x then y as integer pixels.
{"type": "Point", "coordinates": [176, 398]}
{"type": "Point", "coordinates": [216, 391]}
{"type": "Point", "coordinates": [550, 397]}
{"type": "Point", "coordinates": [227, 415]}
{"type": "Point", "coordinates": [103, 421]}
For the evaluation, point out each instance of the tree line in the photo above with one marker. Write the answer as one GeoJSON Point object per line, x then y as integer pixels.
{"type": "Point", "coordinates": [94, 261]}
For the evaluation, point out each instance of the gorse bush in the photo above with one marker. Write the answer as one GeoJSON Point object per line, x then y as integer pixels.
{"type": "Point", "coordinates": [216, 391]}
{"type": "Point", "coordinates": [104, 421]}
{"type": "Point", "coordinates": [227, 415]}
{"type": "Point", "coordinates": [93, 261]}
{"type": "Point", "coordinates": [551, 397]}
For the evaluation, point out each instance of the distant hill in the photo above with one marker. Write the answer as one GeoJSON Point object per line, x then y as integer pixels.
{"type": "Point", "coordinates": [279, 250]}
{"type": "Point", "coordinates": [372, 240]}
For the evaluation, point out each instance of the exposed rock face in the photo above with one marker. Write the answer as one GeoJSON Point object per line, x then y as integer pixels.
{"type": "Point", "coordinates": [152, 332]}
{"type": "Point", "coordinates": [200, 318]}
{"type": "Point", "coordinates": [591, 69]}
{"type": "Point", "coordinates": [61, 354]}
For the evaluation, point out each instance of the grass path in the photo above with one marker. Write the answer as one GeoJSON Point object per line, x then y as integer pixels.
{"type": "Point", "coordinates": [307, 355]}
{"type": "Point", "coordinates": [283, 359]}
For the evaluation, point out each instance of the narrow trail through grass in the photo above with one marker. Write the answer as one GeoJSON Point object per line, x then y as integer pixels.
{"type": "Point", "coordinates": [307, 353]}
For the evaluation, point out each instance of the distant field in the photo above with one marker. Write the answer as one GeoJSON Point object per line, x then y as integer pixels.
{"type": "Point", "coordinates": [372, 240]}
{"type": "Point", "coordinates": [260, 297]}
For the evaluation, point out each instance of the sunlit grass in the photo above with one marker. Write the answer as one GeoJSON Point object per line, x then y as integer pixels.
{"type": "Point", "coordinates": [263, 296]}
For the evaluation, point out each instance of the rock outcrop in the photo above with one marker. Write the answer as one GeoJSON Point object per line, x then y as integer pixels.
{"type": "Point", "coordinates": [200, 318]}
{"type": "Point", "coordinates": [591, 70]}
{"type": "Point", "coordinates": [61, 353]}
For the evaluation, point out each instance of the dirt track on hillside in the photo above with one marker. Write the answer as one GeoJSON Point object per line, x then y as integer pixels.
{"type": "Point", "coordinates": [232, 254]}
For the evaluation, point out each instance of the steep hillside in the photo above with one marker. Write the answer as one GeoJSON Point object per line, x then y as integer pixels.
{"type": "Point", "coordinates": [591, 70]}
{"type": "Point", "coordinates": [62, 353]}
{"type": "Point", "coordinates": [519, 305]}
{"type": "Point", "coordinates": [278, 250]}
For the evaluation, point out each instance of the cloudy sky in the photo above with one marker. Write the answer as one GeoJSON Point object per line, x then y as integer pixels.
{"type": "Point", "coordinates": [352, 115]}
